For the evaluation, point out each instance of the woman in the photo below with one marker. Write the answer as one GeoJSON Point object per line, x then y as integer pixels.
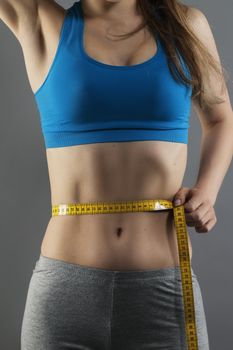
{"type": "Point", "coordinates": [115, 118]}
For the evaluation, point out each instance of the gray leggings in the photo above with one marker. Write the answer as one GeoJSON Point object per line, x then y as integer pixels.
{"type": "Point", "coordinates": [71, 306]}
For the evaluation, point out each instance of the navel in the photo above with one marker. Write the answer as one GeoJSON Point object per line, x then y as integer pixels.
{"type": "Point", "coordinates": [119, 231]}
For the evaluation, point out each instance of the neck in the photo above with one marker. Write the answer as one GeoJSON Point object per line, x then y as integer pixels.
{"type": "Point", "coordinates": [110, 9]}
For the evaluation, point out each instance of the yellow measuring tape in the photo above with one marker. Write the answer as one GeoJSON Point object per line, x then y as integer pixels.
{"type": "Point", "coordinates": [182, 239]}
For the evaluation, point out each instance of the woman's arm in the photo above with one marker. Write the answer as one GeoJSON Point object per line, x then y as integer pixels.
{"type": "Point", "coordinates": [216, 144]}
{"type": "Point", "coordinates": [20, 16]}
{"type": "Point", "coordinates": [216, 156]}
{"type": "Point", "coordinates": [216, 122]}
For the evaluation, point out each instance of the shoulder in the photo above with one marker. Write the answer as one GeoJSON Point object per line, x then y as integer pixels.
{"type": "Point", "coordinates": [200, 27]}
{"type": "Point", "coordinates": [199, 24]}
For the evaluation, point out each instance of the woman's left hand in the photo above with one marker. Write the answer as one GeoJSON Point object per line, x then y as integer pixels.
{"type": "Point", "coordinates": [199, 210]}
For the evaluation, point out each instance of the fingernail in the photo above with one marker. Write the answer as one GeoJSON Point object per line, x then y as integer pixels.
{"type": "Point", "coordinates": [177, 202]}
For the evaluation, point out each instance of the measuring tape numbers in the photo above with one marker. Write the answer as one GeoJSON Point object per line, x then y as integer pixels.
{"type": "Point", "coordinates": [182, 239]}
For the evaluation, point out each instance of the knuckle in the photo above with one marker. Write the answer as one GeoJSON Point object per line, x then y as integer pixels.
{"type": "Point", "coordinates": [190, 207]}
{"type": "Point", "coordinates": [198, 217]}
{"type": "Point", "coordinates": [208, 226]}
{"type": "Point", "coordinates": [201, 221]}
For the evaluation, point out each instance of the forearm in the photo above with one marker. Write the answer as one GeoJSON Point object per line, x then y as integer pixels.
{"type": "Point", "coordinates": [215, 159]}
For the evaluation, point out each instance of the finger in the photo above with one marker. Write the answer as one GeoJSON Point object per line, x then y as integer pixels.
{"type": "Point", "coordinates": [199, 213]}
{"type": "Point", "coordinates": [181, 196]}
{"type": "Point", "coordinates": [207, 227]}
{"type": "Point", "coordinates": [194, 202]}
{"type": "Point", "coordinates": [209, 215]}
{"type": "Point", "coordinates": [203, 220]}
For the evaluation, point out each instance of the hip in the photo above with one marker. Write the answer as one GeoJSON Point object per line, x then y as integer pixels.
{"type": "Point", "coordinates": [72, 306]}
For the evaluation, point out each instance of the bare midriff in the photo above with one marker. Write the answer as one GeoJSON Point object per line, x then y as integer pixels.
{"type": "Point", "coordinates": [115, 171]}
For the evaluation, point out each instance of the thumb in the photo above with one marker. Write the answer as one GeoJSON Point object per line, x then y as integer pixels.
{"type": "Point", "coordinates": [180, 196]}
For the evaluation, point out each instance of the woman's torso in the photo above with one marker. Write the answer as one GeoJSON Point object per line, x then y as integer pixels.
{"type": "Point", "coordinates": [108, 171]}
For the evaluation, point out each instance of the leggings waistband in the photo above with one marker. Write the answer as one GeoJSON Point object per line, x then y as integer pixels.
{"type": "Point", "coordinates": [162, 273]}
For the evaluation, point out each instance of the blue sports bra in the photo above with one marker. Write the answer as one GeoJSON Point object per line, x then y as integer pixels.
{"type": "Point", "coordinates": [85, 101]}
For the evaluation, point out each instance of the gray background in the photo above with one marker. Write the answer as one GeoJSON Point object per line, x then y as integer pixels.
{"type": "Point", "coordinates": [25, 193]}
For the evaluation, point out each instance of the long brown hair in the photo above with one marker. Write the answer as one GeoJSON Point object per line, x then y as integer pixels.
{"type": "Point", "coordinates": [168, 18]}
